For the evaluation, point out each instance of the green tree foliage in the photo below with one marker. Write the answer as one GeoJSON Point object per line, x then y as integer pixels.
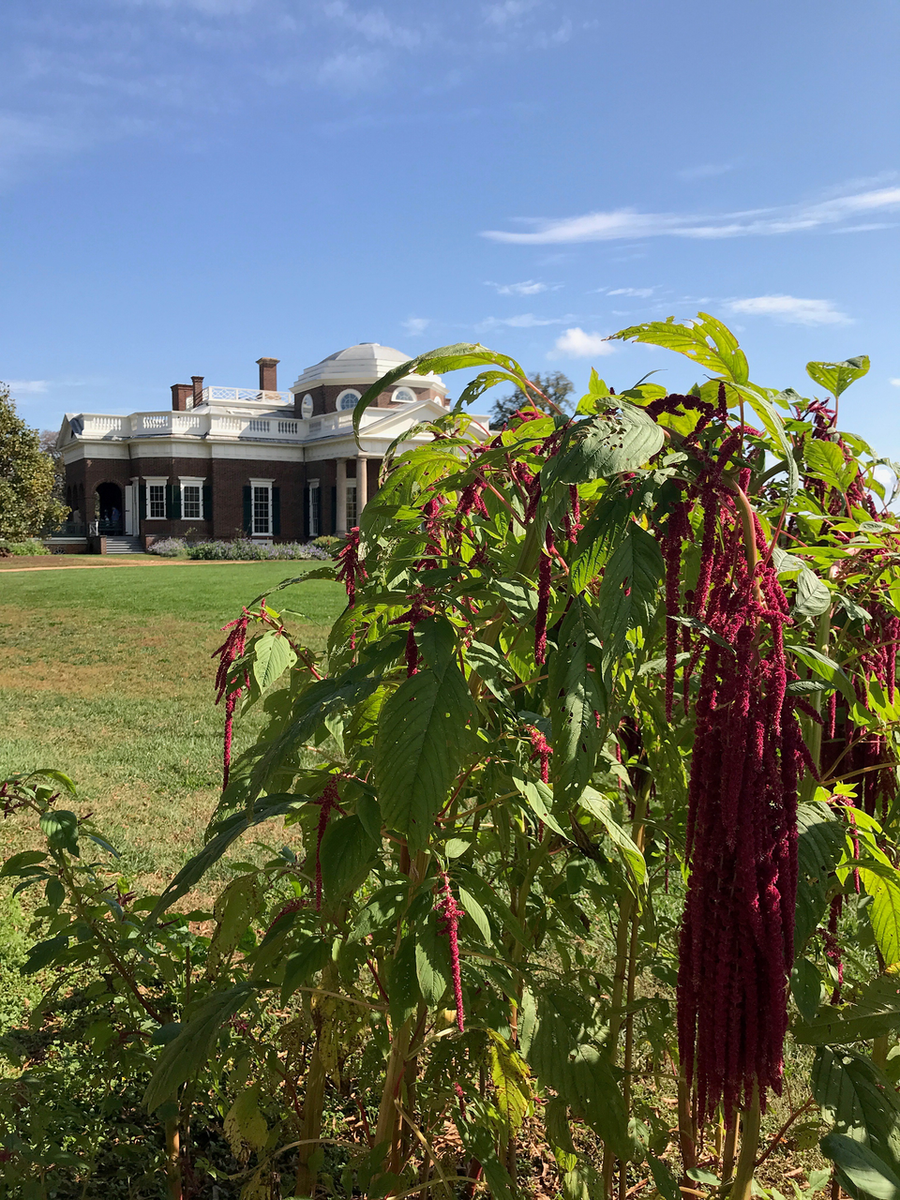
{"type": "Point", "coordinates": [27, 478]}
{"type": "Point", "coordinates": [554, 386]}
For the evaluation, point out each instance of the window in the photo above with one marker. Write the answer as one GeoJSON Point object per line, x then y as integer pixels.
{"type": "Point", "coordinates": [404, 395]}
{"type": "Point", "coordinates": [262, 505]}
{"type": "Point", "coordinates": [351, 506]}
{"type": "Point", "coordinates": [192, 499]}
{"type": "Point", "coordinates": [347, 399]}
{"type": "Point", "coordinates": [315, 510]}
{"type": "Point", "coordinates": [306, 407]}
{"type": "Point", "coordinates": [156, 499]}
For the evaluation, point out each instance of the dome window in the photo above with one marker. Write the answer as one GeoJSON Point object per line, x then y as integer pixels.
{"type": "Point", "coordinates": [306, 407]}
{"type": "Point", "coordinates": [347, 399]}
{"type": "Point", "coordinates": [404, 395]}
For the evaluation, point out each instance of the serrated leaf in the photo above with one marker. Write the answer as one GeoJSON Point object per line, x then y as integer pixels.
{"type": "Point", "coordinates": [629, 594]}
{"type": "Point", "coordinates": [820, 846]}
{"type": "Point", "coordinates": [621, 439]}
{"type": "Point", "coordinates": [705, 340]}
{"type": "Point", "coordinates": [885, 910]}
{"type": "Point", "coordinates": [825, 460]}
{"type": "Point", "coordinates": [420, 743]}
{"type": "Point", "coordinates": [877, 1012]}
{"type": "Point", "coordinates": [836, 377]}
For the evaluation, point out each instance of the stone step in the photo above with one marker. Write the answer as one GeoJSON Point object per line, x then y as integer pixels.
{"type": "Point", "coordinates": [124, 545]}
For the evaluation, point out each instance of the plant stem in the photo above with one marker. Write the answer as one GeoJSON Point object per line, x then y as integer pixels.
{"type": "Point", "coordinates": [173, 1160]}
{"type": "Point", "coordinates": [729, 1149]}
{"type": "Point", "coordinates": [743, 1178]}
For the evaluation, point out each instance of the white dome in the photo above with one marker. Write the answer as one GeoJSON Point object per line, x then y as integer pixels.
{"type": "Point", "coordinates": [362, 364]}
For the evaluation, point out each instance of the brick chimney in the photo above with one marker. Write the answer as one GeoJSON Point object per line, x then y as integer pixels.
{"type": "Point", "coordinates": [197, 381]}
{"type": "Point", "coordinates": [268, 374]}
{"type": "Point", "coordinates": [181, 393]}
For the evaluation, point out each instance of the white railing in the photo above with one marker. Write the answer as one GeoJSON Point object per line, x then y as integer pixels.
{"type": "Point", "coordinates": [104, 427]}
{"type": "Point", "coordinates": [242, 395]}
{"type": "Point", "coordinates": [227, 425]}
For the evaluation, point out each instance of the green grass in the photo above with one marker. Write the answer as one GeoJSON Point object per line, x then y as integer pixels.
{"type": "Point", "coordinates": [107, 675]}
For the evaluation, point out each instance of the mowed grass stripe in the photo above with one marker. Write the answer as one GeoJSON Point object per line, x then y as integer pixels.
{"type": "Point", "coordinates": [107, 675]}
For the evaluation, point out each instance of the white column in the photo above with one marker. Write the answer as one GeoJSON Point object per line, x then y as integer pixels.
{"type": "Point", "coordinates": [341, 516]}
{"type": "Point", "coordinates": [362, 484]}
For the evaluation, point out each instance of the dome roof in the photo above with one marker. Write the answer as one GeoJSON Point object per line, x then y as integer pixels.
{"type": "Point", "coordinates": [362, 364]}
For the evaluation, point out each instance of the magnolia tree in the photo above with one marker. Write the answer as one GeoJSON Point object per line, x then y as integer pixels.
{"type": "Point", "coordinates": [597, 772]}
{"type": "Point", "coordinates": [28, 504]}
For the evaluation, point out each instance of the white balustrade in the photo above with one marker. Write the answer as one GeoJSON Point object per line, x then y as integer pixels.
{"type": "Point", "coordinates": [242, 395]}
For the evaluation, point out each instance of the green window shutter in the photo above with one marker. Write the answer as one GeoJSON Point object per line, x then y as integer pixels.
{"type": "Point", "coordinates": [207, 502]}
{"type": "Point", "coordinates": [173, 501]}
{"type": "Point", "coordinates": [142, 501]}
{"type": "Point", "coordinates": [248, 513]}
{"type": "Point", "coordinates": [276, 511]}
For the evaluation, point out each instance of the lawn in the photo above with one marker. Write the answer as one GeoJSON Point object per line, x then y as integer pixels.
{"type": "Point", "coordinates": [107, 675]}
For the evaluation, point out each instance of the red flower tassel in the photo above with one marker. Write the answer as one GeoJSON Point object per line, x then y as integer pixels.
{"type": "Point", "coordinates": [450, 912]}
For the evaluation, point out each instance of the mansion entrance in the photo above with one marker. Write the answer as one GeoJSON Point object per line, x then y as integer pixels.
{"type": "Point", "coordinates": [109, 508]}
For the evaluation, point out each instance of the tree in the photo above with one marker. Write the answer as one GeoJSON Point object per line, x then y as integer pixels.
{"type": "Point", "coordinates": [48, 446]}
{"type": "Point", "coordinates": [554, 385]}
{"type": "Point", "coordinates": [27, 504]}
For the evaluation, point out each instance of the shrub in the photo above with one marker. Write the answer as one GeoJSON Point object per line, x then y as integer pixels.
{"type": "Point", "coordinates": [329, 543]}
{"type": "Point", "coordinates": [29, 547]}
{"type": "Point", "coordinates": [169, 548]}
{"type": "Point", "coordinates": [245, 549]}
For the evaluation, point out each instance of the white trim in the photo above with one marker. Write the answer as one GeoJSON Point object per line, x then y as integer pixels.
{"type": "Point", "coordinates": [191, 481]}
{"type": "Point", "coordinates": [155, 481]}
{"type": "Point", "coordinates": [413, 398]}
{"type": "Point", "coordinates": [261, 485]}
{"type": "Point", "coordinates": [339, 405]}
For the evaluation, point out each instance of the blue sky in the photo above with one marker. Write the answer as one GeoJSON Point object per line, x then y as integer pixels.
{"type": "Point", "coordinates": [187, 185]}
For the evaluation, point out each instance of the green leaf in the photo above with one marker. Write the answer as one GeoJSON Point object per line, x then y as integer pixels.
{"type": "Point", "coordinates": [419, 746]}
{"type": "Point", "coordinates": [304, 964]}
{"type": "Point", "coordinates": [885, 911]}
{"type": "Point", "coordinates": [705, 340]}
{"type": "Point", "coordinates": [383, 909]}
{"type": "Point", "coordinates": [235, 908]}
{"type": "Point", "coordinates": [566, 1056]}
{"type": "Point", "coordinates": [836, 377]}
{"type": "Point", "coordinates": [432, 961]}
{"type": "Point", "coordinates": [774, 426]}
{"type": "Point", "coordinates": [510, 1078]}
{"type": "Point", "coordinates": [60, 827]}
{"type": "Point", "coordinates": [15, 865]}
{"type": "Point", "coordinates": [44, 953]}
{"type": "Point", "coordinates": [825, 460]}
{"type": "Point", "coordinates": [477, 913]}
{"type": "Point", "coordinates": [862, 1167]}
{"type": "Point", "coordinates": [574, 695]}
{"type": "Point", "coordinates": [826, 668]}
{"type": "Point", "coordinates": [403, 986]}
{"type": "Point", "coordinates": [877, 1012]}
{"type": "Point", "coordinates": [857, 1099]}
{"type": "Point", "coordinates": [666, 1183]}
{"type": "Point", "coordinates": [244, 1124]}
{"type": "Point", "coordinates": [599, 807]}
{"type": "Point", "coordinates": [813, 597]}
{"type": "Point", "coordinates": [347, 854]}
{"type": "Point", "coordinates": [820, 847]}
{"type": "Point", "coordinates": [271, 655]}
{"type": "Point", "coordinates": [629, 594]}
{"type": "Point", "coordinates": [185, 1056]}
{"type": "Point", "coordinates": [806, 988]}
{"type": "Point", "coordinates": [621, 439]}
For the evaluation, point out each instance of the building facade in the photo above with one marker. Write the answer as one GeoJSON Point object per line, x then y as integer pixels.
{"type": "Point", "coordinates": [225, 462]}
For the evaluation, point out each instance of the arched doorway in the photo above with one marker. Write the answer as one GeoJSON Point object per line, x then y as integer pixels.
{"type": "Point", "coordinates": [109, 507]}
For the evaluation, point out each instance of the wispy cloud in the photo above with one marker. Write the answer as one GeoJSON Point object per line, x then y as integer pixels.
{"type": "Point", "coordinates": [522, 321]}
{"type": "Point", "coordinates": [508, 12]}
{"type": "Point", "coordinates": [413, 326]}
{"type": "Point", "coordinates": [373, 25]}
{"type": "Point", "coordinates": [528, 287]}
{"type": "Point", "coordinates": [575, 343]}
{"type": "Point", "coordinates": [351, 70]}
{"type": "Point", "coordinates": [835, 213]}
{"type": "Point", "coordinates": [791, 309]}
{"type": "Point", "coordinates": [28, 387]}
{"type": "Point", "coordinates": [642, 293]}
{"type": "Point", "coordinates": [894, 382]}
{"type": "Point", "coordinates": [705, 171]}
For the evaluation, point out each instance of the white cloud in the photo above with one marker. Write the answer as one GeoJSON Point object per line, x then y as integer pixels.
{"type": "Point", "coordinates": [643, 293]}
{"type": "Point", "coordinates": [577, 344]}
{"type": "Point", "coordinates": [373, 25]}
{"type": "Point", "coordinates": [522, 321]}
{"type": "Point", "coordinates": [351, 70]}
{"type": "Point", "coordinates": [415, 325]}
{"type": "Point", "coordinates": [894, 382]}
{"type": "Point", "coordinates": [508, 12]}
{"type": "Point", "coordinates": [791, 309]}
{"type": "Point", "coordinates": [528, 287]}
{"type": "Point", "coordinates": [28, 387]}
{"type": "Point", "coordinates": [836, 213]}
